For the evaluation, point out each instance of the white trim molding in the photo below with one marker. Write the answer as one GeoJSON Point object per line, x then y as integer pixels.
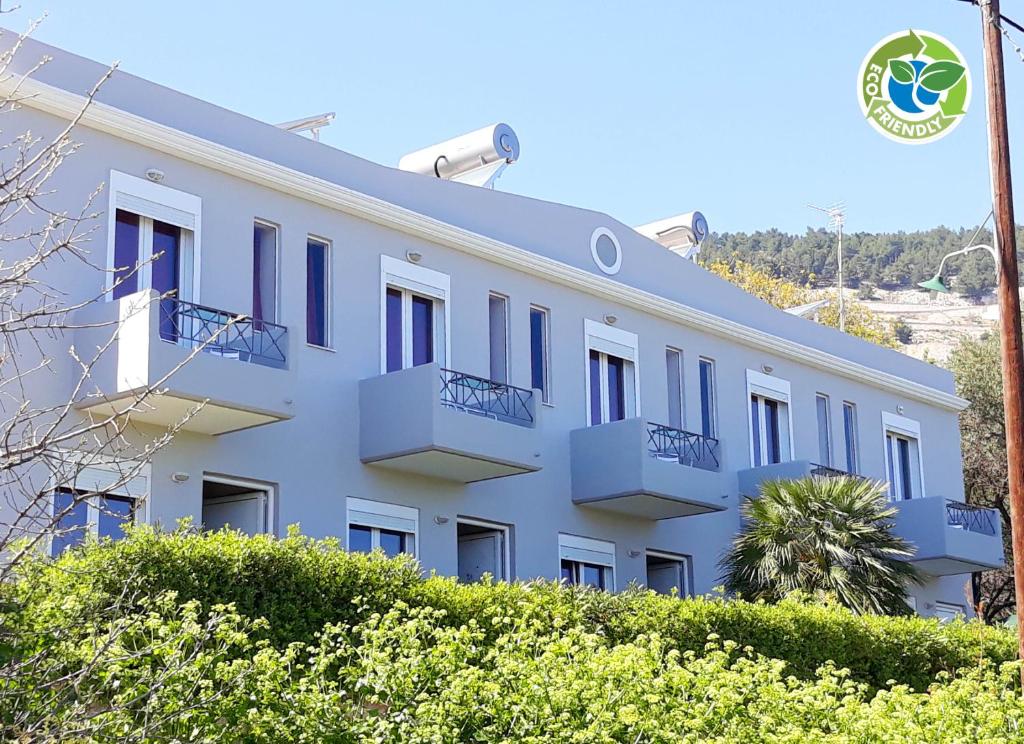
{"type": "Point", "coordinates": [588, 550]}
{"type": "Point", "coordinates": [616, 342]}
{"type": "Point", "coordinates": [139, 130]}
{"type": "Point", "coordinates": [383, 516]}
{"type": "Point", "coordinates": [910, 429]}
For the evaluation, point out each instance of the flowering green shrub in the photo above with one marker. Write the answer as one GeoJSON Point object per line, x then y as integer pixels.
{"type": "Point", "coordinates": [299, 585]}
{"type": "Point", "coordinates": [409, 675]}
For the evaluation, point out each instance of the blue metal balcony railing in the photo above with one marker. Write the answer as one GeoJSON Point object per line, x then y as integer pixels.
{"type": "Point", "coordinates": [222, 333]}
{"type": "Point", "coordinates": [827, 471]}
{"type": "Point", "coordinates": [687, 448]}
{"type": "Point", "coordinates": [484, 397]}
{"type": "Point", "coordinates": [971, 518]}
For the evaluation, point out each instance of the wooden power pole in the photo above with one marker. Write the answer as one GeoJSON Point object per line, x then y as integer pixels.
{"type": "Point", "coordinates": [1009, 293]}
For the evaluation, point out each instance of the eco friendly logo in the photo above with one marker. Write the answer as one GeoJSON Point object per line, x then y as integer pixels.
{"type": "Point", "coordinates": [914, 87]}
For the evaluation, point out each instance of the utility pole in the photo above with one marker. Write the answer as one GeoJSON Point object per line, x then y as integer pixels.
{"type": "Point", "coordinates": [1008, 292]}
{"type": "Point", "coordinates": [836, 216]}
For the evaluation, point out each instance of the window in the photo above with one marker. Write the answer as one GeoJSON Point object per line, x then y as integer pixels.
{"type": "Point", "coordinates": [674, 377]}
{"type": "Point", "coordinates": [483, 549]}
{"type": "Point", "coordinates": [823, 408]}
{"type": "Point", "coordinates": [264, 272]}
{"type": "Point", "coordinates": [850, 436]}
{"type": "Point", "coordinates": [668, 573]}
{"type": "Point", "coordinates": [586, 562]}
{"type": "Point", "coordinates": [154, 240]}
{"type": "Point", "coordinates": [375, 524]}
{"type": "Point", "coordinates": [540, 373]}
{"type": "Point", "coordinates": [497, 309]}
{"type": "Point", "coordinates": [77, 513]}
{"type": "Point", "coordinates": [104, 498]}
{"type": "Point", "coordinates": [611, 373]}
{"type": "Point", "coordinates": [770, 425]}
{"type": "Point", "coordinates": [946, 611]}
{"type": "Point", "coordinates": [708, 406]}
{"type": "Point", "coordinates": [318, 292]}
{"type": "Point", "coordinates": [902, 457]}
{"type": "Point", "coordinates": [414, 315]}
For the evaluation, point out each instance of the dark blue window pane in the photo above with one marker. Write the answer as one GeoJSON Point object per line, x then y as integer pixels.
{"type": "Point", "coordinates": [755, 429]}
{"type": "Point", "coordinates": [126, 253]}
{"type": "Point", "coordinates": [537, 350]}
{"type": "Point", "coordinates": [568, 575]}
{"type": "Point", "coordinates": [616, 389]}
{"type": "Point", "coordinates": [166, 239]}
{"type": "Point", "coordinates": [422, 330]}
{"type": "Point", "coordinates": [891, 443]}
{"type": "Point", "coordinates": [394, 330]}
{"type": "Point", "coordinates": [593, 576]}
{"type": "Point", "coordinates": [595, 389]}
{"type": "Point", "coordinates": [707, 399]}
{"type": "Point", "coordinates": [115, 513]}
{"type": "Point", "coordinates": [849, 428]}
{"type": "Point", "coordinates": [771, 425]}
{"type": "Point", "coordinates": [316, 293]}
{"type": "Point", "coordinates": [360, 539]}
{"type": "Point", "coordinates": [392, 543]}
{"type": "Point", "coordinates": [72, 521]}
{"type": "Point", "coordinates": [904, 450]}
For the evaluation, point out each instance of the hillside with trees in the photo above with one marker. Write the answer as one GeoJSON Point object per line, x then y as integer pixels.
{"type": "Point", "coordinates": [896, 260]}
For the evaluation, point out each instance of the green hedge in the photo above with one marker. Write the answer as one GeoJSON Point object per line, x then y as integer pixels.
{"type": "Point", "coordinates": [298, 585]}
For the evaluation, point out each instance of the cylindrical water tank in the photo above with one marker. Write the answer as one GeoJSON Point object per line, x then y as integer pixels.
{"type": "Point", "coordinates": [464, 153]}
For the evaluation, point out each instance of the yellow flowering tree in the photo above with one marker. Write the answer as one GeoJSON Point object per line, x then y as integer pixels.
{"type": "Point", "coordinates": [860, 321]}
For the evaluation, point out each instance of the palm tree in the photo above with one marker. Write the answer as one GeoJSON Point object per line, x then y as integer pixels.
{"type": "Point", "coordinates": [822, 535]}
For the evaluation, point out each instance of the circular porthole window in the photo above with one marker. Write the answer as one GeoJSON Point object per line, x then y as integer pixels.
{"type": "Point", "coordinates": [605, 249]}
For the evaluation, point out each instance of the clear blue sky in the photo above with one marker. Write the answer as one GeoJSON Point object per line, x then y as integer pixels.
{"type": "Point", "coordinates": [745, 110]}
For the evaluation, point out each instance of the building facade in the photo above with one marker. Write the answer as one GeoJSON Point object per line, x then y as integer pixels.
{"type": "Point", "coordinates": [490, 382]}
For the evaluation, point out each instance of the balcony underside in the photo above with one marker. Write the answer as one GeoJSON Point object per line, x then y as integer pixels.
{"type": "Point", "coordinates": [649, 505]}
{"type": "Point", "coordinates": [447, 464]}
{"type": "Point", "coordinates": [951, 565]}
{"type": "Point", "coordinates": [170, 409]}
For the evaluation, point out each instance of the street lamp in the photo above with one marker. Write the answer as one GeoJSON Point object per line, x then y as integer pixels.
{"type": "Point", "coordinates": [937, 285]}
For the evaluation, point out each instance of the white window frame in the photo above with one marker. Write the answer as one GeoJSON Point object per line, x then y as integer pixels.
{"type": "Point", "coordinates": [506, 539]}
{"type": "Point", "coordinates": [546, 397]}
{"type": "Point", "coordinates": [608, 341]}
{"type": "Point", "coordinates": [381, 515]}
{"type": "Point", "coordinates": [771, 388]}
{"type": "Point", "coordinates": [269, 502]}
{"type": "Point", "coordinates": [957, 610]}
{"type": "Point", "coordinates": [98, 476]}
{"type": "Point", "coordinates": [328, 289]}
{"type": "Point", "coordinates": [686, 565]}
{"type": "Point", "coordinates": [581, 550]}
{"type": "Point", "coordinates": [153, 201]}
{"type": "Point", "coordinates": [712, 395]}
{"type": "Point", "coordinates": [907, 428]}
{"type": "Point", "coordinates": [828, 428]}
{"type": "Point", "coordinates": [853, 444]}
{"type": "Point", "coordinates": [681, 362]}
{"type": "Point", "coordinates": [412, 279]}
{"type": "Point", "coordinates": [507, 335]}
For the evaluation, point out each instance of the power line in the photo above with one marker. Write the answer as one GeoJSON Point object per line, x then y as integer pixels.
{"type": "Point", "coordinates": [998, 24]}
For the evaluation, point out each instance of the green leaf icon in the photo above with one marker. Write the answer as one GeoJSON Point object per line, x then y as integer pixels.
{"type": "Point", "coordinates": [941, 75]}
{"type": "Point", "coordinates": [901, 71]}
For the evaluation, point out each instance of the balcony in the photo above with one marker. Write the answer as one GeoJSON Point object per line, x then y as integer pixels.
{"type": "Point", "coordinates": [447, 424]}
{"type": "Point", "coordinates": [235, 366]}
{"type": "Point", "coordinates": [750, 480]}
{"type": "Point", "coordinates": [645, 470]}
{"type": "Point", "coordinates": [951, 537]}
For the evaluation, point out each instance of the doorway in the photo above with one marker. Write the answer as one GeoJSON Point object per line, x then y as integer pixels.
{"type": "Point", "coordinates": [483, 549]}
{"type": "Point", "coordinates": [242, 505]}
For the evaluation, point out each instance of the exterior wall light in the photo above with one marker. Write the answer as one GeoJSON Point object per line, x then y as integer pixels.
{"type": "Point", "coordinates": [413, 256]}
{"type": "Point", "coordinates": [155, 175]}
{"type": "Point", "coordinates": [438, 519]}
{"type": "Point", "coordinates": [180, 477]}
{"type": "Point", "coordinates": [611, 319]}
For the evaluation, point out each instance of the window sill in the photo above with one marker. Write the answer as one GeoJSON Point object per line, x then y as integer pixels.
{"type": "Point", "coordinates": [321, 348]}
